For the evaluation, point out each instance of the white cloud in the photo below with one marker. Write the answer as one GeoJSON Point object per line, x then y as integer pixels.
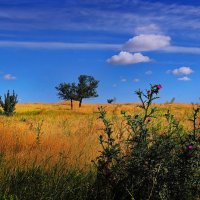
{"type": "Point", "coordinates": [58, 45]}
{"type": "Point", "coordinates": [149, 72]}
{"type": "Point", "coordinates": [123, 80]}
{"type": "Point", "coordinates": [136, 80]}
{"type": "Point", "coordinates": [181, 71]}
{"type": "Point", "coordinates": [185, 78]}
{"type": "Point", "coordinates": [63, 45]}
{"type": "Point", "coordinates": [182, 49]}
{"type": "Point", "coordinates": [127, 58]}
{"type": "Point", "coordinates": [148, 29]}
{"type": "Point", "coordinates": [149, 42]}
{"type": "Point", "coordinates": [9, 77]}
{"type": "Point", "coordinates": [114, 85]}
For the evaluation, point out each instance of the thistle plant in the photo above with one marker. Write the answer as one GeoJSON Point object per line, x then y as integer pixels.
{"type": "Point", "coordinates": [110, 149]}
{"type": "Point", "coordinates": [139, 123]}
{"type": "Point", "coordinates": [152, 162]}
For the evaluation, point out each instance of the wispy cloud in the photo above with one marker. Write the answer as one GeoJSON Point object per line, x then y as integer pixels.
{"type": "Point", "coordinates": [151, 19]}
{"type": "Point", "coordinates": [149, 72]}
{"type": "Point", "coordinates": [125, 58]}
{"type": "Point", "coordinates": [136, 80]}
{"type": "Point", "coordinates": [114, 46]}
{"type": "Point", "coordinates": [93, 15]}
{"type": "Point", "coordinates": [123, 80]}
{"type": "Point", "coordinates": [9, 77]}
{"type": "Point", "coordinates": [180, 49]}
{"type": "Point", "coordinates": [58, 45]}
{"type": "Point", "coordinates": [148, 29]}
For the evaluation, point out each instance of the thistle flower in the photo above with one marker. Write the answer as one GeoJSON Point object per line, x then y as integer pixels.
{"type": "Point", "coordinates": [159, 86]}
{"type": "Point", "coordinates": [190, 147]}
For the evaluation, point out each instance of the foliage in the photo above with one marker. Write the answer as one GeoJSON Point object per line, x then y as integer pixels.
{"type": "Point", "coordinates": [111, 100]}
{"type": "Point", "coordinates": [86, 87]}
{"type": "Point", "coordinates": [67, 91]}
{"type": "Point", "coordinates": [9, 103]}
{"type": "Point", "coordinates": [149, 164]}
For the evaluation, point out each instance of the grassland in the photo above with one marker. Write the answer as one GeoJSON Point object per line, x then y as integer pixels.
{"type": "Point", "coordinates": [46, 132]}
{"type": "Point", "coordinates": [46, 149]}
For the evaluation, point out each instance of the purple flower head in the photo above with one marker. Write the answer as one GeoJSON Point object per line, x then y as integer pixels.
{"type": "Point", "coordinates": [190, 147]}
{"type": "Point", "coordinates": [159, 86]}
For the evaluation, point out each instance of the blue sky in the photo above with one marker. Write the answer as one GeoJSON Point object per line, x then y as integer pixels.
{"type": "Point", "coordinates": [125, 44]}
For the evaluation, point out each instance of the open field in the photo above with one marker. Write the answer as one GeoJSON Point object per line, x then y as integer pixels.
{"type": "Point", "coordinates": [40, 132]}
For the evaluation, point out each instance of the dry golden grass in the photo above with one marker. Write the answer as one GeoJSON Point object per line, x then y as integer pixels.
{"type": "Point", "coordinates": [72, 135]}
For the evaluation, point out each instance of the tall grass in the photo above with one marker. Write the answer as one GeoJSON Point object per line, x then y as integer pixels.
{"type": "Point", "coordinates": [46, 149]}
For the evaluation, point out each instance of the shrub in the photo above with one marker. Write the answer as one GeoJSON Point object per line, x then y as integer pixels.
{"type": "Point", "coordinates": [149, 163]}
{"type": "Point", "coordinates": [9, 103]}
{"type": "Point", "coordinates": [110, 100]}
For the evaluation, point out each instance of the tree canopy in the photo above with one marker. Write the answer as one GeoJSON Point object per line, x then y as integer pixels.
{"type": "Point", "coordinates": [85, 88]}
{"type": "Point", "coordinates": [67, 91]}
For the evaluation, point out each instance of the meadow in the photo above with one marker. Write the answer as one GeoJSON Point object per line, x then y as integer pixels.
{"type": "Point", "coordinates": [47, 149]}
{"type": "Point", "coordinates": [39, 132]}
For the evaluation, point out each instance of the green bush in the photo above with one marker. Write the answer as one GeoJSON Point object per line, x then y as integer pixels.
{"type": "Point", "coordinates": [149, 163]}
{"type": "Point", "coordinates": [9, 103]}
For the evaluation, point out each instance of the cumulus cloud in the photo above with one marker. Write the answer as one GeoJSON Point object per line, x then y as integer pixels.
{"type": "Point", "coordinates": [128, 58]}
{"type": "Point", "coordinates": [9, 77]}
{"type": "Point", "coordinates": [148, 42]}
{"type": "Point", "coordinates": [181, 71]}
{"type": "Point", "coordinates": [185, 78]}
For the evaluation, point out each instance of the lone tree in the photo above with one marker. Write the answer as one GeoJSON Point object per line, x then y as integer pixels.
{"type": "Point", "coordinates": [67, 91]}
{"type": "Point", "coordinates": [86, 87]}
{"type": "Point", "coordinates": [9, 103]}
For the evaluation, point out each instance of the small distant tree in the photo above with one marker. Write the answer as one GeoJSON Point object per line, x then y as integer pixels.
{"type": "Point", "coordinates": [86, 87]}
{"type": "Point", "coordinates": [67, 91]}
{"type": "Point", "coordinates": [9, 103]}
{"type": "Point", "coordinates": [111, 100]}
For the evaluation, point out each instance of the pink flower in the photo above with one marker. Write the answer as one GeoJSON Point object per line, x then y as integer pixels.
{"type": "Point", "coordinates": [159, 86]}
{"type": "Point", "coordinates": [190, 147]}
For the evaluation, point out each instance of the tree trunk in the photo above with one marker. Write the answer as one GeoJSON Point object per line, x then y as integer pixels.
{"type": "Point", "coordinates": [80, 102]}
{"type": "Point", "coordinates": [71, 104]}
